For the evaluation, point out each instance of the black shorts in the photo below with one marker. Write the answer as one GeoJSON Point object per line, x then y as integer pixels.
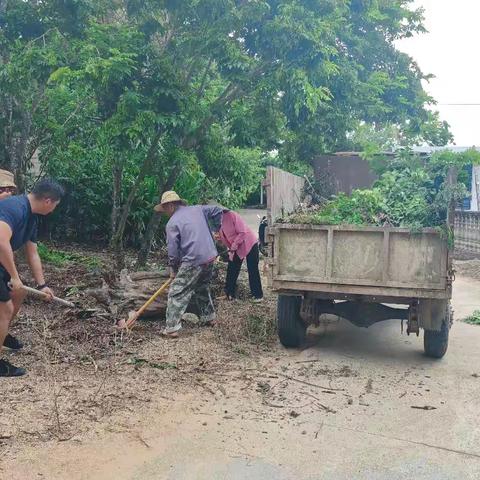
{"type": "Point", "coordinates": [4, 288]}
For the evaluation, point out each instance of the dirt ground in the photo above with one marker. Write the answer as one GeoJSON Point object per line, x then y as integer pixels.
{"type": "Point", "coordinates": [227, 403]}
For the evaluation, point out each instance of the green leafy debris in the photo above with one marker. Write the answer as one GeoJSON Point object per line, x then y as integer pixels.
{"type": "Point", "coordinates": [474, 318]}
{"type": "Point", "coordinates": [411, 192]}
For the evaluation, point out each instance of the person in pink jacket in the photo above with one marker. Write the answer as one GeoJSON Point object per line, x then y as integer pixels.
{"type": "Point", "coordinates": [241, 243]}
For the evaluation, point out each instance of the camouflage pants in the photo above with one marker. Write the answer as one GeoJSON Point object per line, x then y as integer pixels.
{"type": "Point", "coordinates": [190, 284]}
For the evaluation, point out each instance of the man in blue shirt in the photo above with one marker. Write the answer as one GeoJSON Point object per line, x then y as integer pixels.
{"type": "Point", "coordinates": [191, 252]}
{"type": "Point", "coordinates": [18, 228]}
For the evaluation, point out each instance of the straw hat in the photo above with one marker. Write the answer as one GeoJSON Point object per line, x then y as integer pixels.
{"type": "Point", "coordinates": [168, 197]}
{"type": "Point", "coordinates": [6, 179]}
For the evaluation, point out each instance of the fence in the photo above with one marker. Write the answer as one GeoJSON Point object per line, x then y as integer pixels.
{"type": "Point", "coordinates": [467, 232]}
{"type": "Point", "coordinates": [284, 191]}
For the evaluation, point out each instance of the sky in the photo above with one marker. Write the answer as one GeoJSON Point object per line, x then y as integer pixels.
{"type": "Point", "coordinates": [450, 52]}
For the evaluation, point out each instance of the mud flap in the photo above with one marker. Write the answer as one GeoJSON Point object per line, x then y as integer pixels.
{"type": "Point", "coordinates": [431, 313]}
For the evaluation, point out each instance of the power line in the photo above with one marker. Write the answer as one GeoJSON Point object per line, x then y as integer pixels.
{"type": "Point", "coordinates": [460, 104]}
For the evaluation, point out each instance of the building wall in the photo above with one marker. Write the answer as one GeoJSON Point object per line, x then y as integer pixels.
{"type": "Point", "coordinates": [475, 192]}
{"type": "Point", "coordinates": [346, 171]}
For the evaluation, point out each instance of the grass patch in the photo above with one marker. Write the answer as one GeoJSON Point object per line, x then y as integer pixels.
{"type": "Point", "coordinates": [138, 362]}
{"type": "Point", "coordinates": [260, 329]}
{"type": "Point", "coordinates": [241, 350]}
{"type": "Point", "coordinates": [243, 326]}
{"type": "Point", "coordinates": [474, 318]}
{"type": "Point", "coordinates": [61, 258]}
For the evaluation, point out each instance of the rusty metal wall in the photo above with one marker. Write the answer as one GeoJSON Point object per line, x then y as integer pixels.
{"type": "Point", "coordinates": [346, 172]}
{"type": "Point", "coordinates": [467, 232]}
{"type": "Point", "coordinates": [284, 191]}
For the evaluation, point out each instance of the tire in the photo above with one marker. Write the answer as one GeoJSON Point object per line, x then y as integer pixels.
{"type": "Point", "coordinates": [291, 329]}
{"type": "Point", "coordinates": [435, 343]}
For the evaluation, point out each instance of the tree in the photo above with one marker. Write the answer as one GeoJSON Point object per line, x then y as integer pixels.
{"type": "Point", "coordinates": [151, 95]}
{"type": "Point", "coordinates": [31, 48]}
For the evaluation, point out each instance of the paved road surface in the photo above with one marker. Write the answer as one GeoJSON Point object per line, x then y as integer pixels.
{"type": "Point", "coordinates": [252, 217]}
{"type": "Point", "coordinates": [378, 436]}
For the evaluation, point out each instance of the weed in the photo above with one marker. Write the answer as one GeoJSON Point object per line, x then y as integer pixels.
{"type": "Point", "coordinates": [260, 329]}
{"type": "Point", "coordinates": [60, 258]}
{"type": "Point", "coordinates": [474, 318]}
{"type": "Point", "coordinates": [137, 362]}
{"type": "Point", "coordinates": [72, 291]}
{"type": "Point", "coordinates": [240, 350]}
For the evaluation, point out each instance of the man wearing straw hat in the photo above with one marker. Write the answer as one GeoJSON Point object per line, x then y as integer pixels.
{"type": "Point", "coordinates": [7, 189]}
{"type": "Point", "coordinates": [191, 252]}
{"type": "Point", "coordinates": [7, 184]}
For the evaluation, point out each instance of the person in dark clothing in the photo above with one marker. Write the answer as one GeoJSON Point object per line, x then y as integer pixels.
{"type": "Point", "coordinates": [18, 228]}
{"type": "Point", "coordinates": [261, 235]}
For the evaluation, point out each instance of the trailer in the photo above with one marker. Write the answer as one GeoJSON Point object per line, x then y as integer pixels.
{"type": "Point", "coordinates": [363, 274]}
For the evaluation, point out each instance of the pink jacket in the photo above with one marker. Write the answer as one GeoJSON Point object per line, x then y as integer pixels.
{"type": "Point", "coordinates": [236, 235]}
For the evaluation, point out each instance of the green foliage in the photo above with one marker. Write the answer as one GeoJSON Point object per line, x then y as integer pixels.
{"type": "Point", "coordinates": [362, 207]}
{"type": "Point", "coordinates": [123, 101]}
{"type": "Point", "coordinates": [474, 318]}
{"type": "Point", "coordinates": [447, 233]}
{"type": "Point", "coordinates": [60, 258]}
{"type": "Point", "coordinates": [232, 173]}
{"type": "Point", "coordinates": [411, 192]}
{"type": "Point", "coordinates": [260, 329]}
{"type": "Point", "coordinates": [139, 362]}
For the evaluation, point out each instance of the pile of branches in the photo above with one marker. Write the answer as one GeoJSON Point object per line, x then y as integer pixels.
{"type": "Point", "coordinates": [411, 192]}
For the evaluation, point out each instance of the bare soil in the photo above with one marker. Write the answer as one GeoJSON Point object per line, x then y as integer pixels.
{"type": "Point", "coordinates": [100, 404]}
{"type": "Point", "coordinates": [82, 372]}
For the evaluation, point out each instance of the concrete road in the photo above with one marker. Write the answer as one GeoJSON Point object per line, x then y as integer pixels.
{"type": "Point", "coordinates": [252, 217]}
{"type": "Point", "coordinates": [355, 404]}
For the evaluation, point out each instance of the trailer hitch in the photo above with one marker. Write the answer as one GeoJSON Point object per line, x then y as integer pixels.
{"type": "Point", "coordinates": [412, 322]}
{"type": "Point", "coordinates": [450, 277]}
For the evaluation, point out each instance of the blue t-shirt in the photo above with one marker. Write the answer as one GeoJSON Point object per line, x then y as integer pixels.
{"type": "Point", "coordinates": [17, 213]}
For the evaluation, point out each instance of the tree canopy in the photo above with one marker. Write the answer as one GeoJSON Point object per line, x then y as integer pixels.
{"type": "Point", "coordinates": [122, 99]}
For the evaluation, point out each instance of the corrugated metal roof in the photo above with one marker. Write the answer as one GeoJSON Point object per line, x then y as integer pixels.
{"type": "Point", "coordinates": [455, 149]}
{"type": "Point", "coordinates": [420, 150]}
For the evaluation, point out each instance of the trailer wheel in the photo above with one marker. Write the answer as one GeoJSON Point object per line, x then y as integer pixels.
{"type": "Point", "coordinates": [291, 329]}
{"type": "Point", "coordinates": [435, 343]}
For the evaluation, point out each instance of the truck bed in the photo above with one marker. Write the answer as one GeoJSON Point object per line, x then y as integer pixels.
{"type": "Point", "coordinates": [391, 263]}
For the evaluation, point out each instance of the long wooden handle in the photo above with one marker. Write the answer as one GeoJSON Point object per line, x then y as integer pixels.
{"type": "Point", "coordinates": [153, 297]}
{"type": "Point", "coordinates": [133, 319]}
{"type": "Point", "coordinates": [44, 296]}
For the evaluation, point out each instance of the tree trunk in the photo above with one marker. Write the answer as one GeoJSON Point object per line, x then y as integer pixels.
{"type": "Point", "coordinates": [17, 136]}
{"type": "Point", "coordinates": [154, 221]}
{"type": "Point", "coordinates": [117, 239]}
{"type": "Point", "coordinates": [147, 240]}
{"type": "Point", "coordinates": [122, 221]}
{"type": "Point", "coordinates": [130, 292]}
{"type": "Point", "coordinates": [117, 192]}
